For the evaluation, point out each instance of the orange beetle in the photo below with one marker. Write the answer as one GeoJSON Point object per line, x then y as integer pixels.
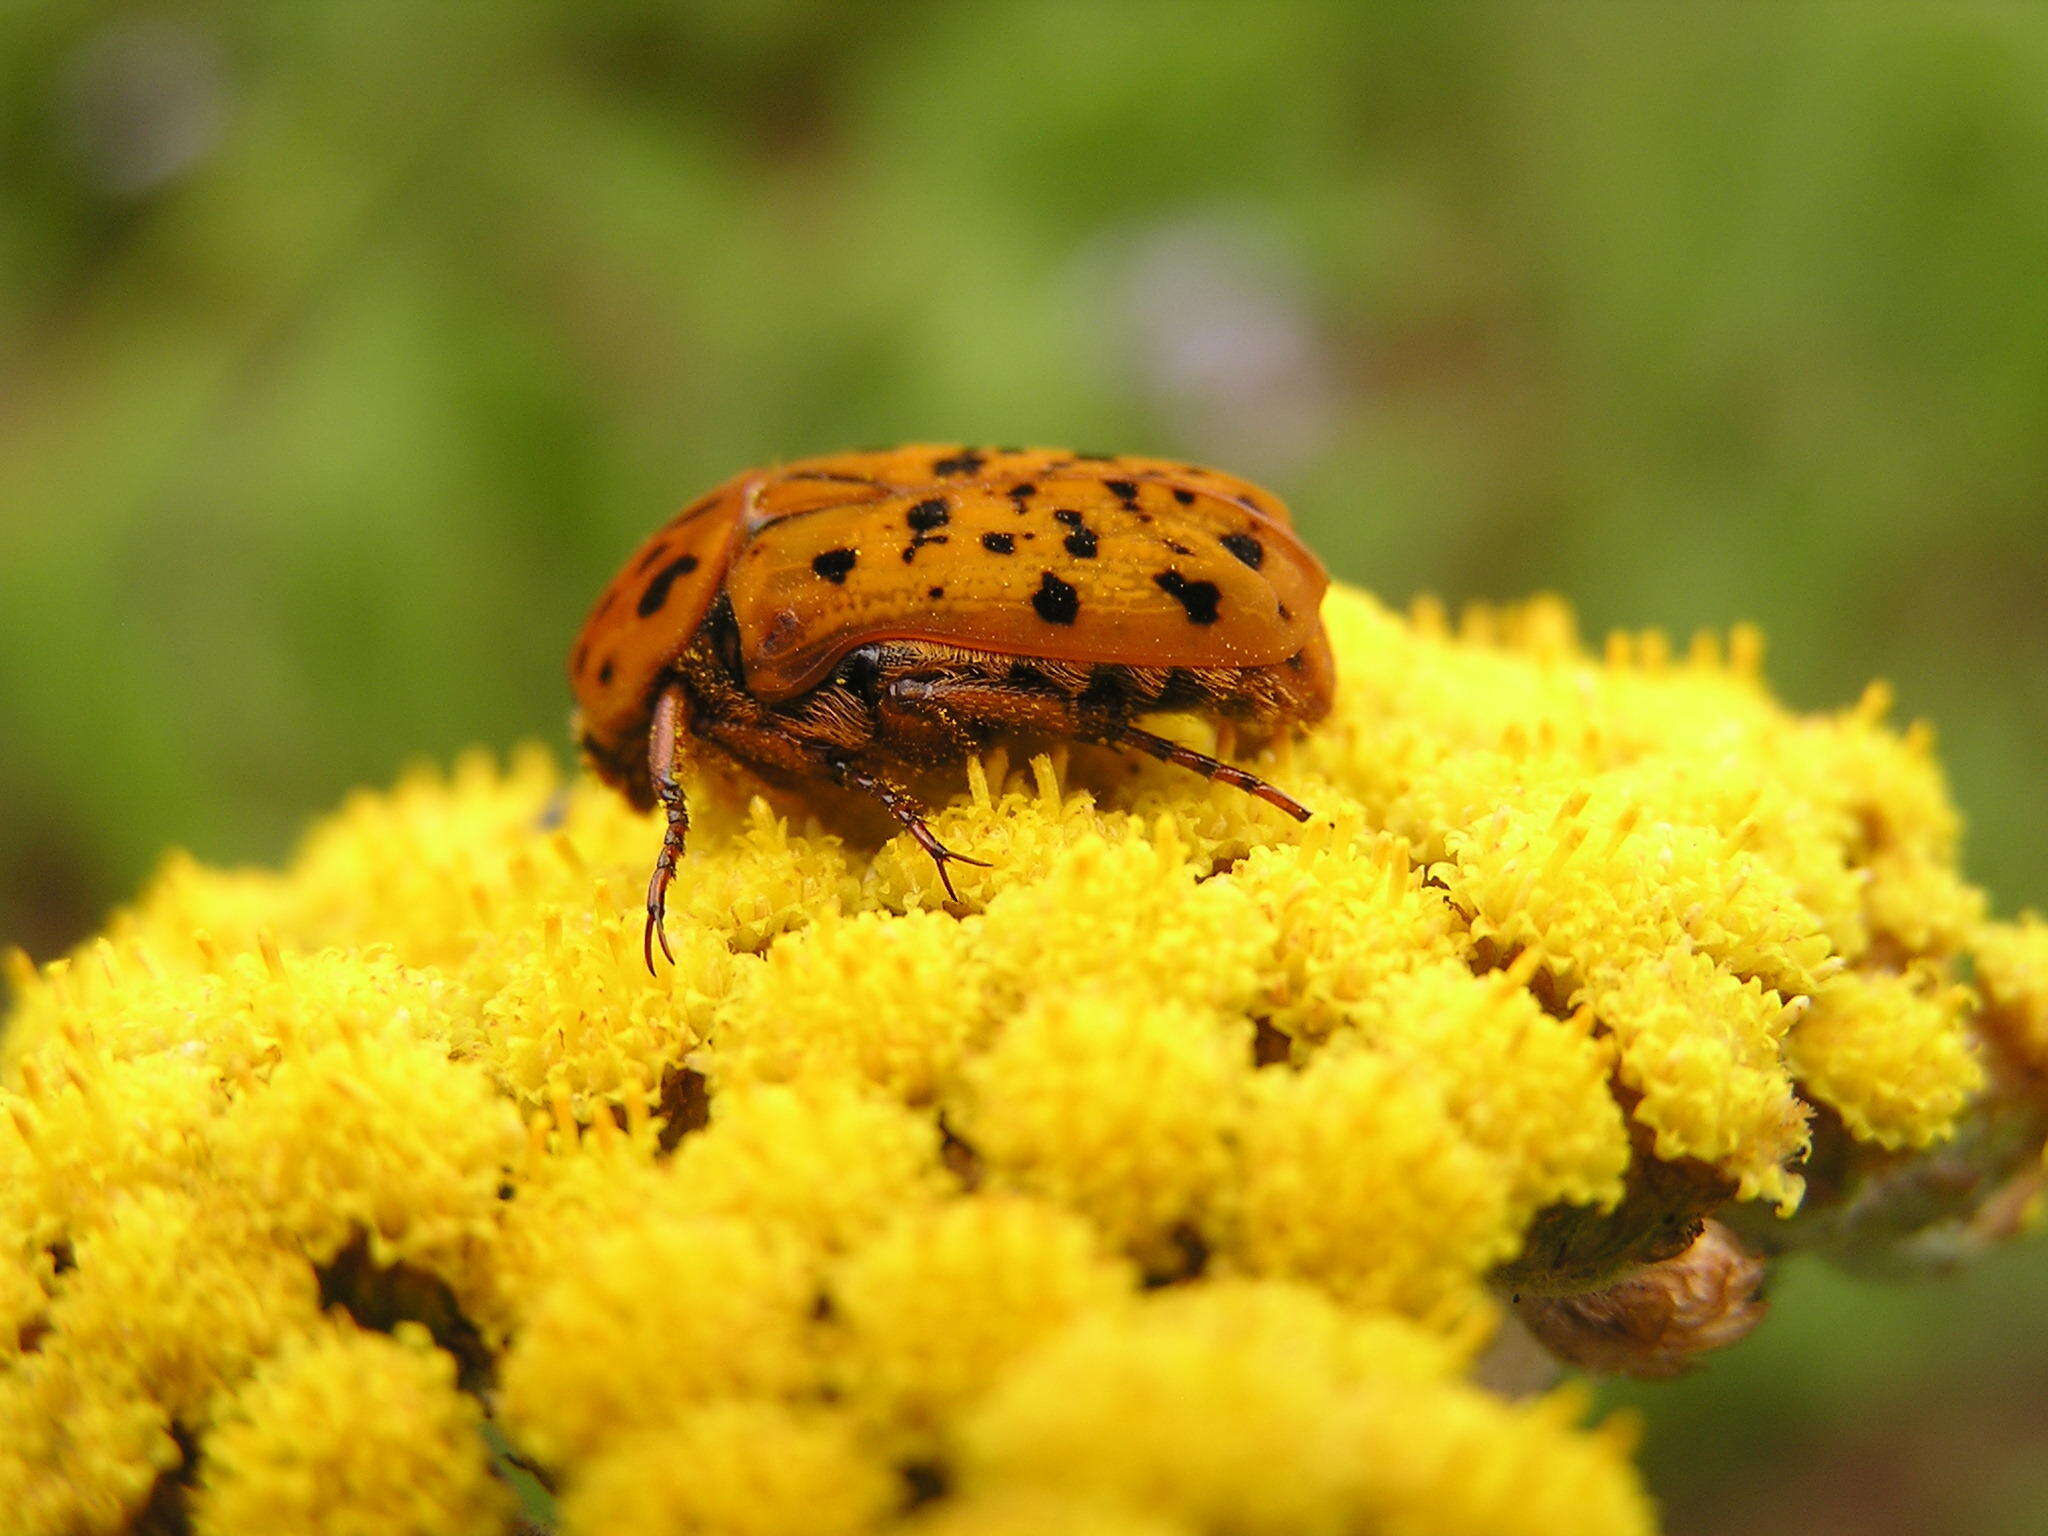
{"type": "Point", "coordinates": [842, 617]}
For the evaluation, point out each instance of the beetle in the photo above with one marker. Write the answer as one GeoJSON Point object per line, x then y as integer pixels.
{"type": "Point", "coordinates": [845, 618]}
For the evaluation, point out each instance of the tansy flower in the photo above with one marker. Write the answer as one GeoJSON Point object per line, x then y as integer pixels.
{"type": "Point", "coordinates": [1170, 1181]}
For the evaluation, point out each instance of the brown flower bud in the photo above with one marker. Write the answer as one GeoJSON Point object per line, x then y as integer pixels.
{"type": "Point", "coordinates": [1657, 1320]}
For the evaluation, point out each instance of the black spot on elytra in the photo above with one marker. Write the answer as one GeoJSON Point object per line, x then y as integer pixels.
{"type": "Point", "coordinates": [604, 671]}
{"type": "Point", "coordinates": [999, 543]}
{"type": "Point", "coordinates": [582, 656]}
{"type": "Point", "coordinates": [965, 462]}
{"type": "Point", "coordinates": [657, 587]}
{"type": "Point", "coordinates": [1055, 601]}
{"type": "Point", "coordinates": [1068, 516]}
{"type": "Point", "coordinates": [1199, 598]}
{"type": "Point", "coordinates": [934, 593]}
{"type": "Point", "coordinates": [1245, 547]}
{"type": "Point", "coordinates": [1176, 546]}
{"type": "Point", "coordinates": [1183, 495]}
{"type": "Point", "coordinates": [1286, 613]}
{"type": "Point", "coordinates": [923, 518]}
{"type": "Point", "coordinates": [833, 564]}
{"type": "Point", "coordinates": [652, 558]}
{"type": "Point", "coordinates": [1022, 492]}
{"type": "Point", "coordinates": [1081, 543]}
{"type": "Point", "coordinates": [1125, 491]}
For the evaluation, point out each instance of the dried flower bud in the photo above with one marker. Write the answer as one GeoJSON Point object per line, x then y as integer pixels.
{"type": "Point", "coordinates": [1658, 1320]}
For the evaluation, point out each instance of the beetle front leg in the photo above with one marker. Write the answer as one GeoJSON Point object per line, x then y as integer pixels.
{"type": "Point", "coordinates": [664, 752]}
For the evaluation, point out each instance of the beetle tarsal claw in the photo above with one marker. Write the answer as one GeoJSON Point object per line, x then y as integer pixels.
{"type": "Point", "coordinates": [941, 856]}
{"type": "Point", "coordinates": [657, 926]}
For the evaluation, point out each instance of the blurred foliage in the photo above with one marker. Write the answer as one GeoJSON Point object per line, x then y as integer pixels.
{"type": "Point", "coordinates": [346, 345]}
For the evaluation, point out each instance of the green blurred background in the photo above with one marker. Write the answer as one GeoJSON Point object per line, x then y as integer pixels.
{"type": "Point", "coordinates": [346, 346]}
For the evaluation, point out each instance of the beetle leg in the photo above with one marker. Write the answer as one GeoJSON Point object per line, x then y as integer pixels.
{"type": "Point", "coordinates": [664, 750]}
{"type": "Point", "coordinates": [1200, 762]}
{"type": "Point", "coordinates": [973, 703]}
{"type": "Point", "coordinates": [776, 749]}
{"type": "Point", "coordinates": [1008, 707]}
{"type": "Point", "coordinates": [904, 807]}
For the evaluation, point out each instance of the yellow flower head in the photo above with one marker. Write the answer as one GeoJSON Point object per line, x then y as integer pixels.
{"type": "Point", "coordinates": [341, 1430]}
{"type": "Point", "coordinates": [1167, 1182]}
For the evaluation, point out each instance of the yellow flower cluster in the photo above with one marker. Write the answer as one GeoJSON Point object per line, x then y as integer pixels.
{"type": "Point", "coordinates": [1170, 1181]}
